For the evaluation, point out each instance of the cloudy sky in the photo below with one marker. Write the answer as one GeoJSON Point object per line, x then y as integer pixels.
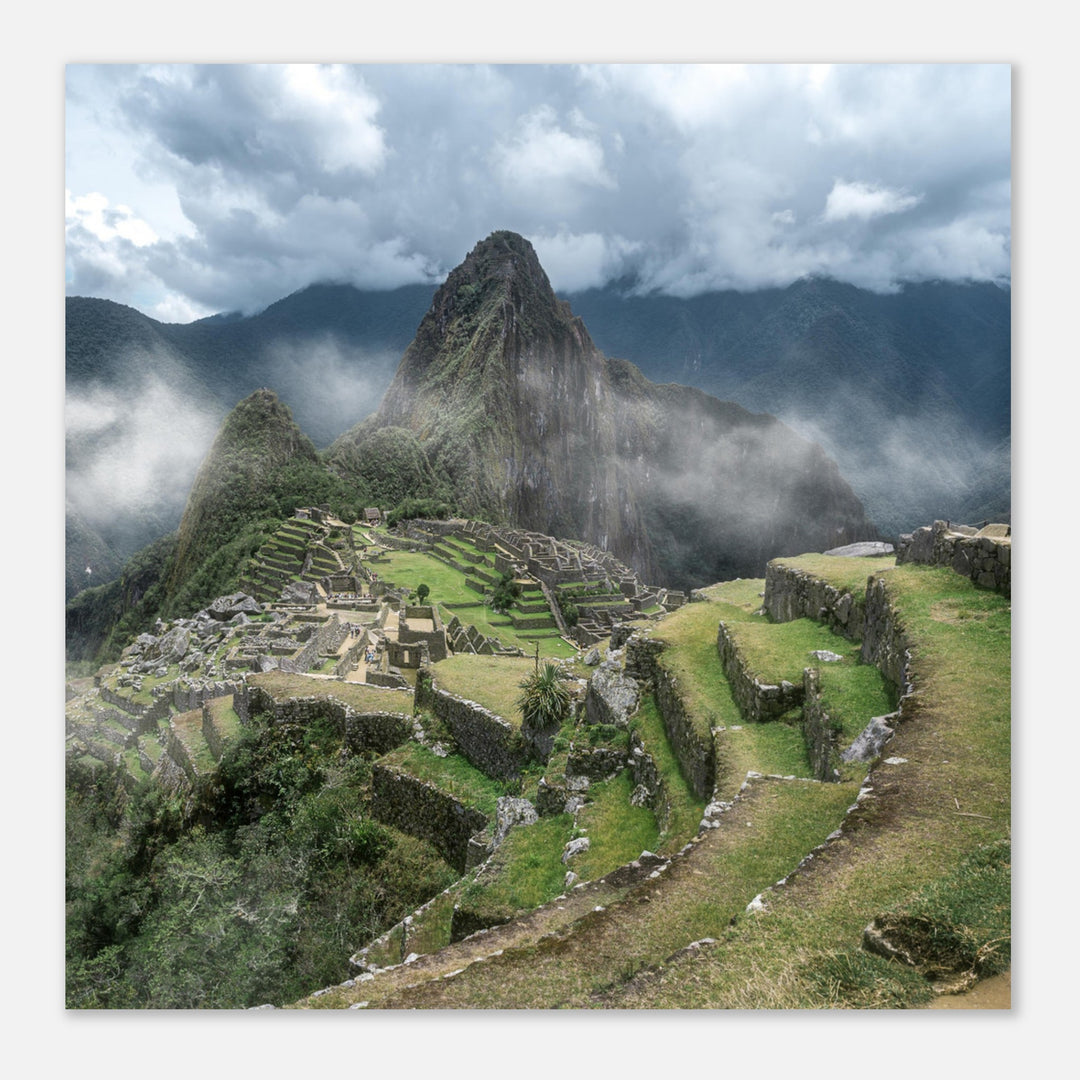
{"type": "Point", "coordinates": [195, 189]}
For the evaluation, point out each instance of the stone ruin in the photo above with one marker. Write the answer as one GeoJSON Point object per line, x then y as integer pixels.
{"type": "Point", "coordinates": [983, 554]}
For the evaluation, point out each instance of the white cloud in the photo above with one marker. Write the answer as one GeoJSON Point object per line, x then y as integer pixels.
{"type": "Point", "coordinates": [542, 153]}
{"type": "Point", "coordinates": [865, 201]}
{"type": "Point", "coordinates": [575, 261]}
{"type": "Point", "coordinates": [716, 174]}
{"type": "Point", "coordinates": [337, 114]}
{"type": "Point", "coordinates": [93, 213]}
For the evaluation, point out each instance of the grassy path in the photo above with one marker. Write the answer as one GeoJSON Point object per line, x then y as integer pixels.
{"type": "Point", "coordinates": [761, 839]}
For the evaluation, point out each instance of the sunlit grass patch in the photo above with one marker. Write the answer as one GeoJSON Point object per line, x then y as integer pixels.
{"type": "Point", "coordinates": [525, 871]}
{"type": "Point", "coordinates": [451, 774]}
{"type": "Point", "coordinates": [617, 831]}
{"type": "Point", "coordinates": [846, 573]}
{"type": "Point", "coordinates": [491, 681]}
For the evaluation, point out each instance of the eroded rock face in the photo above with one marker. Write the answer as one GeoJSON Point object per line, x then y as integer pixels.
{"type": "Point", "coordinates": [504, 392]}
{"type": "Point", "coordinates": [510, 812]}
{"type": "Point", "coordinates": [871, 740]}
{"type": "Point", "coordinates": [612, 697]}
{"type": "Point", "coordinates": [225, 608]}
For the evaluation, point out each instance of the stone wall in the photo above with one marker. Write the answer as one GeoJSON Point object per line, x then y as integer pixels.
{"type": "Point", "coordinates": [696, 754]}
{"type": "Point", "coordinates": [189, 695]}
{"type": "Point", "coordinates": [757, 701]}
{"type": "Point", "coordinates": [146, 716]}
{"type": "Point", "coordinates": [885, 643]}
{"type": "Point", "coordinates": [486, 740]}
{"type": "Point", "coordinates": [982, 555]}
{"type": "Point", "coordinates": [649, 787]}
{"type": "Point", "coordinates": [819, 731]}
{"type": "Point", "coordinates": [794, 594]}
{"type": "Point", "coordinates": [378, 731]}
{"type": "Point", "coordinates": [420, 809]}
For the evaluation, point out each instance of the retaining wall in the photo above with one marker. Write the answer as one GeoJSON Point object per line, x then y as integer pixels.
{"type": "Point", "coordinates": [486, 740]}
{"type": "Point", "coordinates": [984, 555]}
{"type": "Point", "coordinates": [819, 731]}
{"type": "Point", "coordinates": [791, 594]}
{"type": "Point", "coordinates": [885, 642]}
{"type": "Point", "coordinates": [420, 809]}
{"type": "Point", "coordinates": [379, 731]}
{"type": "Point", "coordinates": [757, 701]}
{"type": "Point", "coordinates": [695, 753]}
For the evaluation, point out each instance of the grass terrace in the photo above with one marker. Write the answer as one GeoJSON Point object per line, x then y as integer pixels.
{"type": "Point", "coordinates": [938, 842]}
{"type": "Point", "coordinates": [617, 831]}
{"type": "Point", "coordinates": [684, 808]}
{"type": "Point", "coordinates": [452, 774]}
{"type": "Point", "coordinates": [848, 574]}
{"type": "Point", "coordinates": [525, 872]}
{"type": "Point", "coordinates": [491, 681]}
{"type": "Point", "coordinates": [359, 696]}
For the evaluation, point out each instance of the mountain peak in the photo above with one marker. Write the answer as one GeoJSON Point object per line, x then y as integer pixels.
{"type": "Point", "coordinates": [522, 419]}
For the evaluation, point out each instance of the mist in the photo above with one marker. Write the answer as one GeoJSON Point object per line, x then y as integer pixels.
{"type": "Point", "coordinates": [132, 454]}
{"type": "Point", "coordinates": [329, 387]}
{"type": "Point", "coordinates": [919, 470]}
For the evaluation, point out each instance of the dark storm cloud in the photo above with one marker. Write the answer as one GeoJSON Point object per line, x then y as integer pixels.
{"type": "Point", "coordinates": [692, 176]}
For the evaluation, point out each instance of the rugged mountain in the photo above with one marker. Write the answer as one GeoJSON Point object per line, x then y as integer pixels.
{"type": "Point", "coordinates": [909, 391]}
{"type": "Point", "coordinates": [525, 420]}
{"type": "Point", "coordinates": [259, 466]}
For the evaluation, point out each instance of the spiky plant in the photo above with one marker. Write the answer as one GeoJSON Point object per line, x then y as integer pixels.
{"type": "Point", "coordinates": [544, 705]}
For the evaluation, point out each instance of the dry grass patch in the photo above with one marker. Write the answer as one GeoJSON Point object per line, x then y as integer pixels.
{"type": "Point", "coordinates": [359, 696]}
{"type": "Point", "coordinates": [491, 681]}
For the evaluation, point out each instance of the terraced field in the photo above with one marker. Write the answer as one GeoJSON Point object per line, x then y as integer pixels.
{"type": "Point", "coordinates": [767, 908]}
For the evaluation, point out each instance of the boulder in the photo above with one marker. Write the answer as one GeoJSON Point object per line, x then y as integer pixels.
{"type": "Point", "coordinates": [862, 549]}
{"type": "Point", "coordinates": [575, 847]}
{"type": "Point", "coordinates": [871, 740]}
{"type": "Point", "coordinates": [173, 646]}
{"type": "Point", "coordinates": [611, 698]}
{"type": "Point", "coordinates": [225, 608]}
{"type": "Point", "coordinates": [510, 812]}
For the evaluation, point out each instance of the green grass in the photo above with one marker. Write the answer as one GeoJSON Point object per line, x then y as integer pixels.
{"type": "Point", "coordinates": [491, 681]}
{"type": "Point", "coordinates": [359, 696]}
{"type": "Point", "coordinates": [780, 651]}
{"type": "Point", "coordinates": [684, 808]}
{"type": "Point", "coordinates": [525, 872]}
{"type": "Point", "coordinates": [743, 593]}
{"type": "Point", "coordinates": [617, 831]}
{"type": "Point", "coordinates": [452, 775]}
{"type": "Point", "coordinates": [695, 662]}
{"type": "Point", "coordinates": [774, 749]}
{"type": "Point", "coordinates": [852, 693]}
{"type": "Point", "coordinates": [696, 898]}
{"type": "Point", "coordinates": [407, 570]}
{"type": "Point", "coordinates": [848, 574]}
{"type": "Point", "coordinates": [931, 820]}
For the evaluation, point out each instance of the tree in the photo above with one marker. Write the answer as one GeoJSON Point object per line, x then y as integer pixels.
{"type": "Point", "coordinates": [544, 705]}
{"type": "Point", "coordinates": [504, 592]}
{"type": "Point", "coordinates": [422, 592]}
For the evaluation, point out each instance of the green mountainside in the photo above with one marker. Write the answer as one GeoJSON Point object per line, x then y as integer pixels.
{"type": "Point", "coordinates": [525, 420]}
